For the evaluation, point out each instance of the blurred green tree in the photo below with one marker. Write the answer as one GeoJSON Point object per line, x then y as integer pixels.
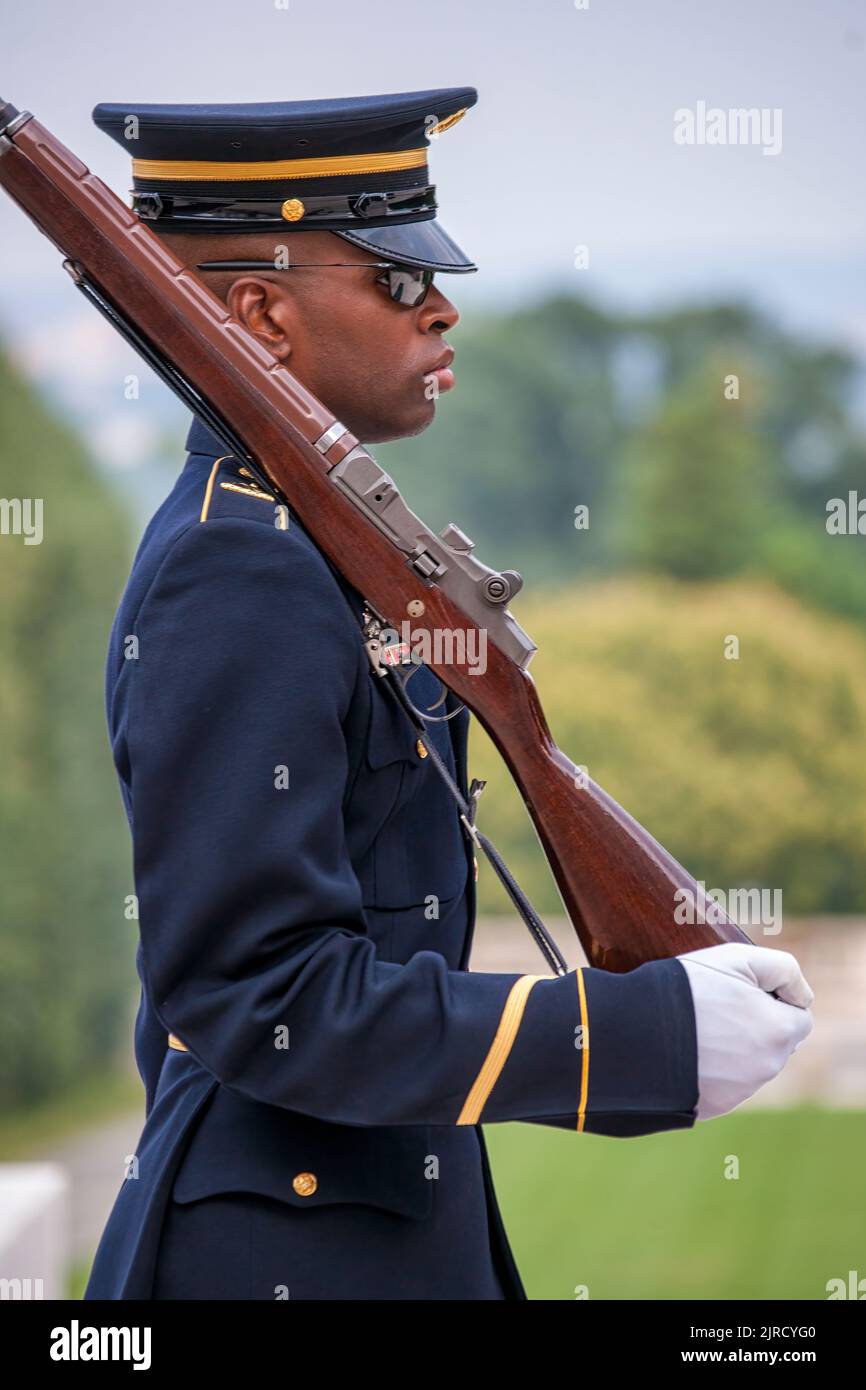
{"type": "Point", "coordinates": [695, 493]}
{"type": "Point", "coordinates": [65, 946]}
{"type": "Point", "coordinates": [748, 770]}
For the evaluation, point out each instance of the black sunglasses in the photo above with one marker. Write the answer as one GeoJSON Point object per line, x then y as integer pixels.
{"type": "Point", "coordinates": [406, 284]}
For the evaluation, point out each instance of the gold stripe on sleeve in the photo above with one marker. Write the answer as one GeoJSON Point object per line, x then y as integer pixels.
{"type": "Point", "coordinates": [584, 1071]}
{"type": "Point", "coordinates": [500, 1048]}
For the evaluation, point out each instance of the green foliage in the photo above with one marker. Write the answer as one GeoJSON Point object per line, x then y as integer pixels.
{"type": "Point", "coordinates": [64, 943]}
{"type": "Point", "coordinates": [657, 1217]}
{"type": "Point", "coordinates": [823, 570]}
{"type": "Point", "coordinates": [748, 771]}
{"type": "Point", "coordinates": [694, 495]}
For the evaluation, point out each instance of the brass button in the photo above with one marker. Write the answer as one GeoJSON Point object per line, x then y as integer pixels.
{"type": "Point", "coordinates": [293, 210]}
{"type": "Point", "coordinates": [422, 751]}
{"type": "Point", "coordinates": [305, 1184]}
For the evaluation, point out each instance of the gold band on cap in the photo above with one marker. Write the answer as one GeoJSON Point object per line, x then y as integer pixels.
{"type": "Point", "coordinates": [230, 172]}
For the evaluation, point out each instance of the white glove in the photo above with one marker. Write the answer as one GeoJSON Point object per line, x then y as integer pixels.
{"type": "Point", "coordinates": [745, 1036]}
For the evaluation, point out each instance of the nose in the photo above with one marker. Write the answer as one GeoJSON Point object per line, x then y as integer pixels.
{"type": "Point", "coordinates": [437, 314]}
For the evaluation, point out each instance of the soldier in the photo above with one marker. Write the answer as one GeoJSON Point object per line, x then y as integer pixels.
{"type": "Point", "coordinates": [317, 1058]}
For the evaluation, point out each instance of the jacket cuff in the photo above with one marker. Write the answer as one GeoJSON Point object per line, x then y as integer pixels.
{"type": "Point", "coordinates": [594, 1051]}
{"type": "Point", "coordinates": [643, 1062]}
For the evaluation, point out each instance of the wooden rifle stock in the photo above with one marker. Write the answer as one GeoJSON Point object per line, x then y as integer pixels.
{"type": "Point", "coordinates": [620, 888]}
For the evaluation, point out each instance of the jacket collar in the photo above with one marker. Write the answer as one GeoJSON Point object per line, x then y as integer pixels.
{"type": "Point", "coordinates": [201, 440]}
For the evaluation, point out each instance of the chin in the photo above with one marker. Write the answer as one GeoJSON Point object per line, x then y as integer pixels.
{"type": "Point", "coordinates": [401, 429]}
{"type": "Point", "coordinates": [418, 423]}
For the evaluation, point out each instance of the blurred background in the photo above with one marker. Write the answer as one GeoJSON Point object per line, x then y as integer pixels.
{"type": "Point", "coordinates": [659, 419]}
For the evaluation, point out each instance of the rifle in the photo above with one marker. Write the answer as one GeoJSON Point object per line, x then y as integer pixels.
{"type": "Point", "coordinates": [619, 887]}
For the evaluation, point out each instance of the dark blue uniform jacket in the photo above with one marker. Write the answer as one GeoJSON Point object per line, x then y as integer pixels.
{"type": "Point", "coordinates": [308, 1030]}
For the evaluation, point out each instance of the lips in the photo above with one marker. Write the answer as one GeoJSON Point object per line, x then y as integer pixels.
{"type": "Point", "coordinates": [442, 370]}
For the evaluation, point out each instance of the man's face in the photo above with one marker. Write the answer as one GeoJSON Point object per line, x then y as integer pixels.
{"type": "Point", "coordinates": [369, 359]}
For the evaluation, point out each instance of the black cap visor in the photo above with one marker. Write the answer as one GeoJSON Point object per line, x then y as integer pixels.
{"type": "Point", "coordinates": [424, 244]}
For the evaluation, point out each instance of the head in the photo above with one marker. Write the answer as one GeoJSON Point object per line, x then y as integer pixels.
{"type": "Point", "coordinates": [369, 358]}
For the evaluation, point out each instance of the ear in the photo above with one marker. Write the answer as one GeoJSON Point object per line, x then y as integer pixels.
{"type": "Point", "coordinates": [266, 312]}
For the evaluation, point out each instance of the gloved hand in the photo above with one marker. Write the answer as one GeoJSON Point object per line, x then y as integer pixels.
{"type": "Point", "coordinates": [745, 1036]}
